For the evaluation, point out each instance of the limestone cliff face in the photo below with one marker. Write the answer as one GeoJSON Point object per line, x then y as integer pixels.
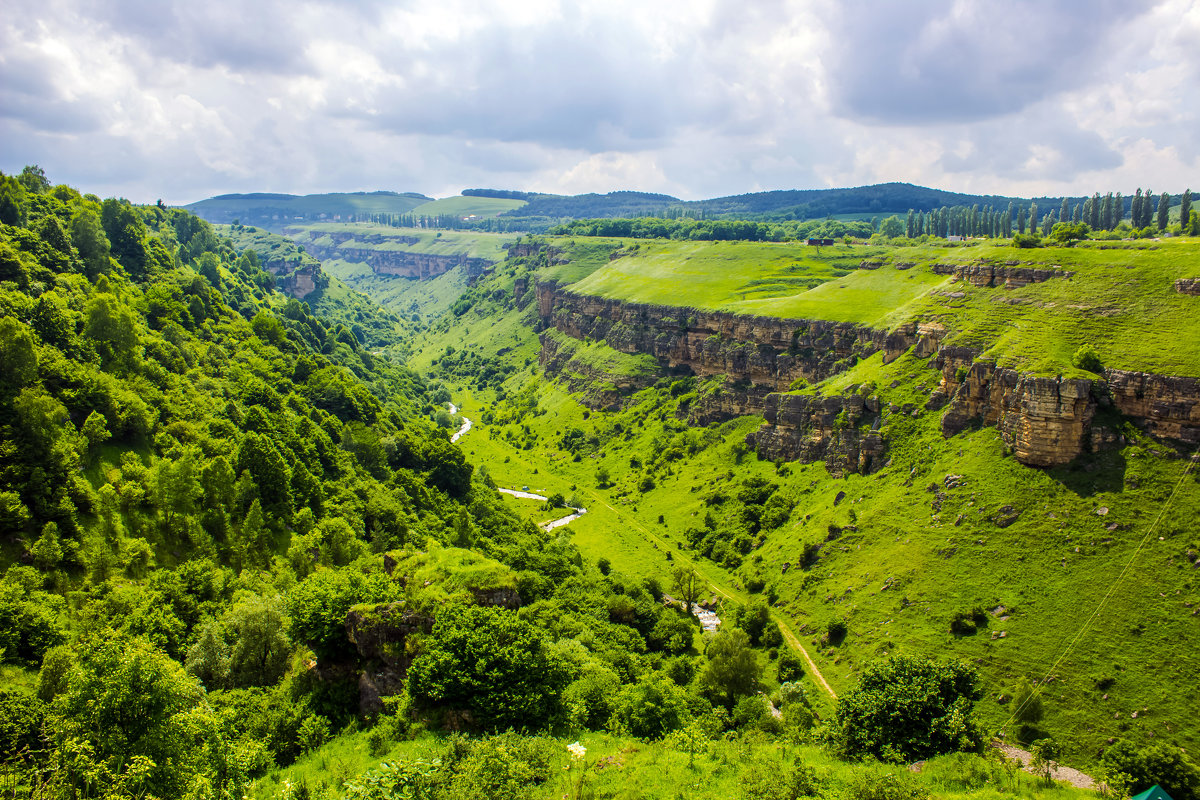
{"type": "Point", "coordinates": [841, 431]}
{"type": "Point", "coordinates": [597, 388]}
{"type": "Point", "coordinates": [1010, 275]}
{"type": "Point", "coordinates": [380, 634]}
{"type": "Point", "coordinates": [1048, 421]}
{"type": "Point", "coordinates": [301, 283]}
{"type": "Point", "coordinates": [400, 263]}
{"type": "Point", "coordinates": [765, 351]}
{"type": "Point", "coordinates": [1166, 406]}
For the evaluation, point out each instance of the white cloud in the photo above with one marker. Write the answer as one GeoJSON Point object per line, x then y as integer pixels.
{"type": "Point", "coordinates": [165, 98]}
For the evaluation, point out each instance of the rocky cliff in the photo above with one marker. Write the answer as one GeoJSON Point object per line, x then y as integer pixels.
{"type": "Point", "coordinates": [1188, 286]}
{"type": "Point", "coordinates": [768, 352]}
{"type": "Point", "coordinates": [843, 431]}
{"type": "Point", "coordinates": [1010, 274]}
{"type": "Point", "coordinates": [401, 263]}
{"type": "Point", "coordinates": [1047, 421]}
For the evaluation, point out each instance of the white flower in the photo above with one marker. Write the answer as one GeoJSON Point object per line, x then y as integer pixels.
{"type": "Point", "coordinates": [577, 750]}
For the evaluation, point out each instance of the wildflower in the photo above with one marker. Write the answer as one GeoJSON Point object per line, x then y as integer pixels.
{"type": "Point", "coordinates": [577, 750]}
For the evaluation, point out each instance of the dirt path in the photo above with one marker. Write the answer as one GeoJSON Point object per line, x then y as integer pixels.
{"type": "Point", "coordinates": [1059, 773]}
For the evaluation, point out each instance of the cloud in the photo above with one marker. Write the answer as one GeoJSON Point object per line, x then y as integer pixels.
{"type": "Point", "coordinates": [959, 61]}
{"type": "Point", "coordinates": [709, 97]}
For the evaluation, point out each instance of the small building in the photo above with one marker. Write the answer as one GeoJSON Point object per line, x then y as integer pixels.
{"type": "Point", "coordinates": [1155, 792]}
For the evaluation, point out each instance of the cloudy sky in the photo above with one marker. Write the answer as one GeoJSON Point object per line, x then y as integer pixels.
{"type": "Point", "coordinates": [182, 100]}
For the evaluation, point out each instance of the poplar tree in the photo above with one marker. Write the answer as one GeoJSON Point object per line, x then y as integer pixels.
{"type": "Point", "coordinates": [1064, 213]}
{"type": "Point", "coordinates": [1021, 217]}
{"type": "Point", "coordinates": [1033, 219]}
{"type": "Point", "coordinates": [1135, 210]}
{"type": "Point", "coordinates": [1185, 208]}
{"type": "Point", "coordinates": [1118, 210]}
{"type": "Point", "coordinates": [1164, 211]}
{"type": "Point", "coordinates": [1094, 219]}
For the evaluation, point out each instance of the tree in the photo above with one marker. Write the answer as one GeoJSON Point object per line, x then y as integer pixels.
{"type": "Point", "coordinates": [1185, 209]}
{"type": "Point", "coordinates": [488, 662]}
{"type": "Point", "coordinates": [1027, 706]}
{"type": "Point", "coordinates": [18, 357]}
{"type": "Point", "coordinates": [112, 328]}
{"type": "Point", "coordinates": [208, 658]}
{"type": "Point", "coordinates": [1164, 211]}
{"type": "Point", "coordinates": [260, 649]}
{"type": "Point", "coordinates": [89, 239]}
{"type": "Point", "coordinates": [892, 227]}
{"type": "Point", "coordinates": [906, 709]}
{"type": "Point", "coordinates": [33, 179]}
{"type": "Point", "coordinates": [133, 723]}
{"type": "Point", "coordinates": [687, 585]}
{"type": "Point", "coordinates": [732, 670]}
{"type": "Point", "coordinates": [1151, 764]}
{"type": "Point", "coordinates": [127, 235]}
{"type": "Point", "coordinates": [47, 551]}
{"type": "Point", "coordinates": [1044, 759]}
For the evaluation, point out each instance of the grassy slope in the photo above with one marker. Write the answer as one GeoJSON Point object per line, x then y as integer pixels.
{"type": "Point", "coordinates": [899, 578]}
{"type": "Point", "coordinates": [489, 246]}
{"type": "Point", "coordinates": [620, 767]}
{"type": "Point", "coordinates": [1121, 300]}
{"type": "Point", "coordinates": [467, 206]}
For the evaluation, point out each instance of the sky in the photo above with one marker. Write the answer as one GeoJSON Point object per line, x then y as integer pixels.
{"type": "Point", "coordinates": [151, 99]}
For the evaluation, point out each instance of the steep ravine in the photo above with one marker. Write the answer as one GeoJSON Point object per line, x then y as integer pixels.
{"type": "Point", "coordinates": [1046, 421]}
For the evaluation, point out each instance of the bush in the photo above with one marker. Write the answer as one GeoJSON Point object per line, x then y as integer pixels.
{"type": "Point", "coordinates": [835, 631]}
{"type": "Point", "coordinates": [1027, 240]}
{"type": "Point", "coordinates": [905, 709]}
{"type": "Point", "coordinates": [876, 784]}
{"type": "Point", "coordinates": [791, 666]}
{"type": "Point", "coordinates": [1154, 763]}
{"type": "Point", "coordinates": [1086, 358]}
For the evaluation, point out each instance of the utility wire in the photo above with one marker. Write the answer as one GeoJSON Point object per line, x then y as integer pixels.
{"type": "Point", "coordinates": [1112, 588]}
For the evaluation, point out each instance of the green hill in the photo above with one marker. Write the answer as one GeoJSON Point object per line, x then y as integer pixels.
{"type": "Point", "coordinates": [274, 211]}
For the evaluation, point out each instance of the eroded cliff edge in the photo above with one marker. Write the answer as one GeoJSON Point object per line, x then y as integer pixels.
{"type": "Point", "coordinates": [1047, 421]}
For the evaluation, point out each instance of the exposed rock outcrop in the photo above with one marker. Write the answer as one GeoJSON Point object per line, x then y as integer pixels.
{"type": "Point", "coordinates": [597, 388]}
{"type": "Point", "coordinates": [380, 633]}
{"type": "Point", "coordinates": [768, 352]}
{"type": "Point", "coordinates": [1188, 286]}
{"type": "Point", "coordinates": [1009, 275]}
{"type": "Point", "coordinates": [842, 431]}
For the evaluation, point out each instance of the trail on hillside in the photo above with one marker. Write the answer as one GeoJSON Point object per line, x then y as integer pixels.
{"type": "Point", "coordinates": [784, 628]}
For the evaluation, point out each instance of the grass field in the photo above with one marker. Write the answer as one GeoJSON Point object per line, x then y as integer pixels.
{"type": "Point", "coordinates": [370, 236]}
{"type": "Point", "coordinates": [1120, 300]}
{"type": "Point", "coordinates": [467, 206]}
{"type": "Point", "coordinates": [621, 767]}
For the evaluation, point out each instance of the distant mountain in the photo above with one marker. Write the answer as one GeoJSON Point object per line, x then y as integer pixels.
{"type": "Point", "coordinates": [273, 211]}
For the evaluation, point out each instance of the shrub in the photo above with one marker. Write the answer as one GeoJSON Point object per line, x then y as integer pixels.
{"type": "Point", "coordinates": [1027, 240]}
{"type": "Point", "coordinates": [791, 666]}
{"type": "Point", "coordinates": [1154, 763]}
{"type": "Point", "coordinates": [877, 784]}
{"type": "Point", "coordinates": [1086, 358]}
{"type": "Point", "coordinates": [905, 709]}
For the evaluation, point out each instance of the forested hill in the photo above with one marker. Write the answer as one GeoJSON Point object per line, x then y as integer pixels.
{"type": "Point", "coordinates": [881, 199]}
{"type": "Point", "coordinates": [194, 471]}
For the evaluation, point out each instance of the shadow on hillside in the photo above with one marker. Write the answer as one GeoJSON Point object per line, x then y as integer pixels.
{"type": "Point", "coordinates": [1093, 473]}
